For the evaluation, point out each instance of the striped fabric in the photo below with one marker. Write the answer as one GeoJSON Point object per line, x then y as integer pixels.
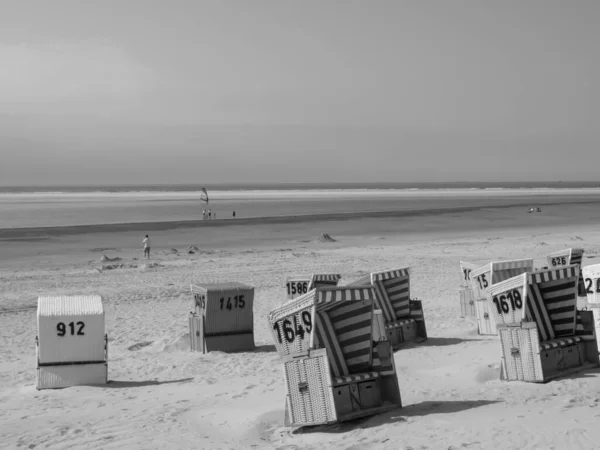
{"type": "Point", "coordinates": [325, 338]}
{"type": "Point", "coordinates": [323, 280]}
{"type": "Point", "coordinates": [352, 323]}
{"type": "Point", "coordinates": [398, 292]}
{"type": "Point", "coordinates": [390, 274]}
{"type": "Point", "coordinates": [354, 378]}
{"type": "Point", "coordinates": [325, 296]}
{"type": "Point", "coordinates": [552, 302]}
{"type": "Point", "coordinates": [503, 270]}
{"type": "Point", "coordinates": [576, 259]}
{"type": "Point", "coordinates": [556, 343]}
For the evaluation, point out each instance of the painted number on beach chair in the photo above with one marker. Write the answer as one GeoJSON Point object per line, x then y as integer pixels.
{"type": "Point", "coordinates": [238, 302]}
{"type": "Point", "coordinates": [467, 274]}
{"type": "Point", "coordinates": [297, 287]}
{"type": "Point", "coordinates": [199, 299]}
{"type": "Point", "coordinates": [560, 261]}
{"type": "Point", "coordinates": [483, 283]}
{"type": "Point", "coordinates": [589, 282]}
{"type": "Point", "coordinates": [502, 301]}
{"type": "Point", "coordinates": [292, 331]}
{"type": "Point", "coordinates": [61, 329]}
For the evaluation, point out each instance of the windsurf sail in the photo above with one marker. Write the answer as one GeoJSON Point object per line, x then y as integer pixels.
{"type": "Point", "coordinates": [204, 195]}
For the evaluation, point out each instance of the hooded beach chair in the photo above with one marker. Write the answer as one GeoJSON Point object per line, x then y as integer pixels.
{"type": "Point", "coordinates": [542, 334]}
{"type": "Point", "coordinates": [467, 297]}
{"type": "Point", "coordinates": [337, 365]}
{"type": "Point", "coordinates": [403, 316]}
{"type": "Point", "coordinates": [298, 285]}
{"type": "Point", "coordinates": [486, 276]}
{"type": "Point", "coordinates": [566, 257]}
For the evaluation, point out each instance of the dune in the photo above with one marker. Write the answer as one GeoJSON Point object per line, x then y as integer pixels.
{"type": "Point", "coordinates": [161, 395]}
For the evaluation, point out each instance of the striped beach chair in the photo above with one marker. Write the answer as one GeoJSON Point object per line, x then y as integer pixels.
{"type": "Point", "coordinates": [466, 294]}
{"type": "Point", "coordinates": [542, 334]}
{"type": "Point", "coordinates": [298, 285]}
{"type": "Point", "coordinates": [337, 364]}
{"type": "Point", "coordinates": [566, 257]}
{"type": "Point", "coordinates": [403, 316]}
{"type": "Point", "coordinates": [486, 276]}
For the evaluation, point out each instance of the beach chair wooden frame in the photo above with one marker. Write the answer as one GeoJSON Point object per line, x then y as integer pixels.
{"type": "Point", "coordinates": [297, 285]}
{"type": "Point", "coordinates": [486, 276]}
{"type": "Point", "coordinates": [403, 316]}
{"type": "Point", "coordinates": [466, 294]}
{"type": "Point", "coordinates": [337, 365]}
{"type": "Point", "coordinates": [566, 257]}
{"type": "Point", "coordinates": [222, 318]}
{"type": "Point", "coordinates": [542, 334]}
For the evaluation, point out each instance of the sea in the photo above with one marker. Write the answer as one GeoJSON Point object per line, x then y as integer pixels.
{"type": "Point", "coordinates": [64, 206]}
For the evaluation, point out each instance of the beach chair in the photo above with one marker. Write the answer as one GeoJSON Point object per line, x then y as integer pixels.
{"type": "Point", "coordinates": [222, 318]}
{"type": "Point", "coordinates": [486, 276]}
{"type": "Point", "coordinates": [566, 257]}
{"type": "Point", "coordinates": [298, 285]}
{"type": "Point", "coordinates": [542, 334]}
{"type": "Point", "coordinates": [337, 363]}
{"type": "Point", "coordinates": [466, 294]}
{"type": "Point", "coordinates": [71, 344]}
{"type": "Point", "coordinates": [403, 316]}
{"type": "Point", "coordinates": [591, 282]}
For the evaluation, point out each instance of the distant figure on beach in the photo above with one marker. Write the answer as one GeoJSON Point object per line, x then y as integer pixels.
{"type": "Point", "coordinates": [215, 215]}
{"type": "Point", "coordinates": [203, 214]}
{"type": "Point", "coordinates": [147, 244]}
{"type": "Point", "coordinates": [234, 214]}
{"type": "Point", "coordinates": [209, 213]}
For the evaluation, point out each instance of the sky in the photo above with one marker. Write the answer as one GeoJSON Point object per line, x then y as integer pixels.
{"type": "Point", "coordinates": [223, 91]}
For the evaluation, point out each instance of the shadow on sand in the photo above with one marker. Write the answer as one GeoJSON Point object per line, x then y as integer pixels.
{"type": "Point", "coordinates": [132, 384]}
{"type": "Point", "coordinates": [398, 415]}
{"type": "Point", "coordinates": [442, 342]}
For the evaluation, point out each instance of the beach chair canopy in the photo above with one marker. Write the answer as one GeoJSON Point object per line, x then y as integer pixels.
{"type": "Point", "coordinates": [494, 272]}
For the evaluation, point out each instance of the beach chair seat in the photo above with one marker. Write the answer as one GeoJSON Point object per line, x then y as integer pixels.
{"type": "Point", "coordinates": [542, 334]}
{"type": "Point", "coordinates": [337, 364]}
{"type": "Point", "coordinates": [487, 275]}
{"type": "Point", "coordinates": [403, 316]}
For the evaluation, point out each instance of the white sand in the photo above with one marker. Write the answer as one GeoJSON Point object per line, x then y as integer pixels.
{"type": "Point", "coordinates": [163, 396]}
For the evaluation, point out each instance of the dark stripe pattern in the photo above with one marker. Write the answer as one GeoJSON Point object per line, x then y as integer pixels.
{"type": "Point", "coordinates": [326, 338]}
{"type": "Point", "coordinates": [353, 325]}
{"type": "Point", "coordinates": [398, 294]}
{"type": "Point", "coordinates": [552, 305]}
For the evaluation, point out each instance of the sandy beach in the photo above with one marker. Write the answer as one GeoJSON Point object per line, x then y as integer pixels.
{"type": "Point", "coordinates": [161, 395]}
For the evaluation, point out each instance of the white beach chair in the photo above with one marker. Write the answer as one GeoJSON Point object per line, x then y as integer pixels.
{"type": "Point", "coordinates": [71, 345]}
{"type": "Point", "coordinates": [222, 318]}
{"type": "Point", "coordinates": [466, 294]}
{"type": "Point", "coordinates": [337, 364]}
{"type": "Point", "coordinates": [486, 276]}
{"type": "Point", "coordinates": [542, 334]}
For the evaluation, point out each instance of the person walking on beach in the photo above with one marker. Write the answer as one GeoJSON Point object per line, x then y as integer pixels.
{"type": "Point", "coordinates": [209, 213]}
{"type": "Point", "coordinates": [203, 214]}
{"type": "Point", "coordinates": [147, 244]}
{"type": "Point", "coordinates": [234, 214]}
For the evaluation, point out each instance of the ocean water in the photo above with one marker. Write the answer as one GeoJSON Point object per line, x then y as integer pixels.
{"type": "Point", "coordinates": [57, 206]}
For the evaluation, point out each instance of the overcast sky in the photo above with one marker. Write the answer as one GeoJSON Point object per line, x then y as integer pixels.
{"type": "Point", "coordinates": [132, 91]}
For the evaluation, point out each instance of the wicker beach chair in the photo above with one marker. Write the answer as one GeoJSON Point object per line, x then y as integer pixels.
{"type": "Point", "coordinates": [486, 276]}
{"type": "Point", "coordinates": [403, 316]}
{"type": "Point", "coordinates": [542, 334]}
{"type": "Point", "coordinates": [466, 294]}
{"type": "Point", "coordinates": [566, 257]}
{"type": "Point", "coordinates": [298, 285]}
{"type": "Point", "coordinates": [337, 365]}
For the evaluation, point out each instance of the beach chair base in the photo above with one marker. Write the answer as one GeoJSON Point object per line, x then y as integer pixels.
{"type": "Point", "coordinates": [314, 397]}
{"type": "Point", "coordinates": [467, 303]}
{"type": "Point", "coordinates": [485, 318]}
{"type": "Point", "coordinates": [62, 376]}
{"type": "Point", "coordinates": [229, 343]}
{"type": "Point", "coordinates": [525, 358]}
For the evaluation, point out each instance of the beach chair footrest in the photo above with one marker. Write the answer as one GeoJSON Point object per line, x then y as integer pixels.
{"type": "Point", "coordinates": [354, 378]}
